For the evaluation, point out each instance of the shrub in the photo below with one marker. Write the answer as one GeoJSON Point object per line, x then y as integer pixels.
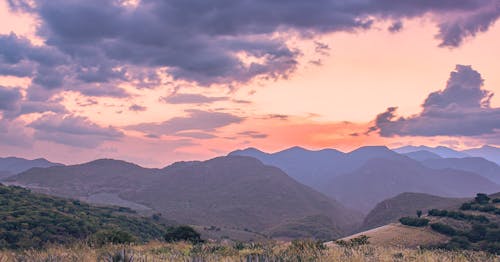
{"type": "Point", "coordinates": [466, 206]}
{"type": "Point", "coordinates": [414, 221]}
{"type": "Point", "coordinates": [458, 242]}
{"type": "Point", "coordinates": [482, 198]}
{"type": "Point", "coordinates": [354, 242]}
{"type": "Point", "coordinates": [443, 229]}
{"type": "Point", "coordinates": [419, 213]}
{"type": "Point", "coordinates": [182, 233]}
{"type": "Point", "coordinates": [477, 233]}
{"type": "Point", "coordinates": [114, 236]}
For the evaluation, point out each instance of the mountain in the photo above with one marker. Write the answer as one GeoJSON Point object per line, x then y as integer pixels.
{"type": "Point", "coordinates": [439, 150]}
{"type": "Point", "coordinates": [379, 179]}
{"type": "Point", "coordinates": [13, 165]}
{"type": "Point", "coordinates": [488, 152]}
{"type": "Point", "coordinates": [406, 204]}
{"type": "Point", "coordinates": [234, 191]}
{"type": "Point", "coordinates": [315, 168]}
{"type": "Point", "coordinates": [478, 165]}
{"type": "Point", "coordinates": [422, 155]}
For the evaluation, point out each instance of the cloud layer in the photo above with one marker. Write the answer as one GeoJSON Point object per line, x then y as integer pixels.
{"type": "Point", "coordinates": [461, 109]}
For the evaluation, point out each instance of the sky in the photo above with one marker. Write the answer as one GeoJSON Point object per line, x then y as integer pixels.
{"type": "Point", "coordinates": [154, 81]}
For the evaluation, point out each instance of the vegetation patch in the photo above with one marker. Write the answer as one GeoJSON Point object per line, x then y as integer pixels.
{"type": "Point", "coordinates": [414, 221]}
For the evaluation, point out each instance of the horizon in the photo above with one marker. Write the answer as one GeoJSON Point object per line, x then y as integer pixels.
{"type": "Point", "coordinates": [166, 164]}
{"type": "Point", "coordinates": [81, 80]}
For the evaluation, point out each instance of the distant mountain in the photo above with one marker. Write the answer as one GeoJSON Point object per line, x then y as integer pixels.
{"type": "Point", "coordinates": [478, 165]}
{"type": "Point", "coordinates": [315, 168]}
{"type": "Point", "coordinates": [234, 191]}
{"type": "Point", "coordinates": [422, 155]}
{"type": "Point", "coordinates": [488, 152]}
{"type": "Point", "coordinates": [13, 165]}
{"type": "Point", "coordinates": [380, 179]}
{"type": "Point", "coordinates": [439, 150]}
{"type": "Point", "coordinates": [406, 204]}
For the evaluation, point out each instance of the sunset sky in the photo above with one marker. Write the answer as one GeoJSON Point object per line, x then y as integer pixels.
{"type": "Point", "coordinates": [158, 81]}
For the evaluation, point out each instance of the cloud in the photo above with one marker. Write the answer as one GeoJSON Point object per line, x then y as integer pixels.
{"type": "Point", "coordinates": [191, 99]}
{"type": "Point", "coordinates": [91, 42]}
{"type": "Point", "coordinates": [461, 109]}
{"type": "Point", "coordinates": [72, 130]}
{"type": "Point", "coordinates": [395, 27]}
{"type": "Point", "coordinates": [197, 135]}
{"type": "Point", "coordinates": [137, 108]}
{"type": "Point", "coordinates": [253, 134]}
{"type": "Point", "coordinates": [9, 98]}
{"type": "Point", "coordinates": [196, 120]}
{"type": "Point", "coordinates": [14, 133]}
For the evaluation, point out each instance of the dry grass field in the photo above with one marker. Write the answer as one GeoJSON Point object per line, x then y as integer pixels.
{"type": "Point", "coordinates": [297, 251]}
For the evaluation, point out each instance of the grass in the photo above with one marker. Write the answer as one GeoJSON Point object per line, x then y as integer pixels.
{"type": "Point", "coordinates": [271, 251]}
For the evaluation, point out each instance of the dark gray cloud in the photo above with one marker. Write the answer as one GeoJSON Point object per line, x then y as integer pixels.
{"type": "Point", "coordinates": [461, 109]}
{"type": "Point", "coordinates": [93, 41]}
{"type": "Point", "coordinates": [137, 108]}
{"type": "Point", "coordinates": [196, 120]}
{"type": "Point", "coordinates": [253, 134]}
{"type": "Point", "coordinates": [73, 131]}
{"type": "Point", "coordinates": [9, 98]}
{"type": "Point", "coordinates": [192, 99]}
{"type": "Point", "coordinates": [395, 27]}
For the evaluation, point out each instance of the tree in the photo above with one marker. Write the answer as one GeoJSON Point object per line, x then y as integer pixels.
{"type": "Point", "coordinates": [419, 213]}
{"type": "Point", "coordinates": [482, 198]}
{"type": "Point", "coordinates": [182, 233]}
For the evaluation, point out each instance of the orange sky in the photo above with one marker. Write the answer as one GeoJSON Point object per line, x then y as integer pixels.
{"type": "Point", "coordinates": [361, 75]}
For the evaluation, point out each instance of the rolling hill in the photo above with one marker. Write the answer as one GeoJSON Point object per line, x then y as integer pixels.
{"type": "Point", "coordinates": [406, 204]}
{"type": "Point", "coordinates": [491, 153]}
{"type": "Point", "coordinates": [32, 220]}
{"type": "Point", "coordinates": [233, 191]}
{"type": "Point", "coordinates": [441, 151]}
{"type": "Point", "coordinates": [13, 165]}
{"type": "Point", "coordinates": [478, 165]}
{"type": "Point", "coordinates": [380, 179]}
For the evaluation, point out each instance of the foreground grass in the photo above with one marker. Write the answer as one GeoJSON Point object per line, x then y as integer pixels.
{"type": "Point", "coordinates": [300, 251]}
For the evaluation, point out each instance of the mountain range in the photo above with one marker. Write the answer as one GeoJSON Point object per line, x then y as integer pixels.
{"type": "Point", "coordinates": [234, 191]}
{"type": "Point", "coordinates": [362, 178]}
{"type": "Point", "coordinates": [291, 193]}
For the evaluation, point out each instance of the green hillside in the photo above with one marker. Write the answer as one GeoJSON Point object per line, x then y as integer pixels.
{"type": "Point", "coordinates": [31, 220]}
{"type": "Point", "coordinates": [474, 226]}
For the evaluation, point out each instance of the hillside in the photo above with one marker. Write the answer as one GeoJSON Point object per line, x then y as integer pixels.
{"type": "Point", "coordinates": [315, 168]}
{"type": "Point", "coordinates": [32, 220]}
{"type": "Point", "coordinates": [13, 165]}
{"type": "Point", "coordinates": [422, 155]}
{"type": "Point", "coordinates": [405, 204]}
{"type": "Point", "coordinates": [380, 179]}
{"type": "Point", "coordinates": [474, 225]}
{"type": "Point", "coordinates": [478, 165]}
{"type": "Point", "coordinates": [397, 235]}
{"type": "Point", "coordinates": [237, 192]}
{"type": "Point", "coordinates": [441, 151]}
{"type": "Point", "coordinates": [491, 153]}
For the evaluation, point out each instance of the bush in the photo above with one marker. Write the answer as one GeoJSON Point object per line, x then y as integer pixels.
{"type": "Point", "coordinates": [477, 233]}
{"type": "Point", "coordinates": [482, 198]}
{"type": "Point", "coordinates": [114, 236]}
{"type": "Point", "coordinates": [443, 229]}
{"type": "Point", "coordinates": [466, 206]}
{"type": "Point", "coordinates": [182, 233]}
{"type": "Point", "coordinates": [414, 222]}
{"type": "Point", "coordinates": [354, 242]}
{"type": "Point", "coordinates": [458, 242]}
